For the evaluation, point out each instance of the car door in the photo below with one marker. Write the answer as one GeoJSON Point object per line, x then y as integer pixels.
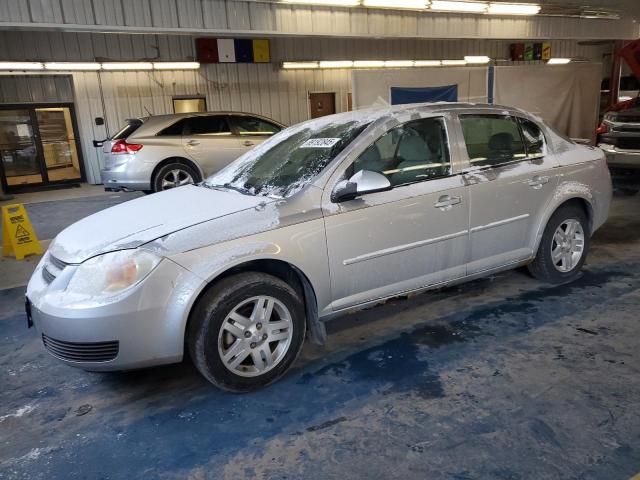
{"type": "Point", "coordinates": [208, 140]}
{"type": "Point", "coordinates": [510, 179]}
{"type": "Point", "coordinates": [252, 130]}
{"type": "Point", "coordinates": [414, 235]}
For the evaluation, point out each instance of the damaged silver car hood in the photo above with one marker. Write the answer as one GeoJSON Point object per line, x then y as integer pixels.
{"type": "Point", "coordinates": [142, 220]}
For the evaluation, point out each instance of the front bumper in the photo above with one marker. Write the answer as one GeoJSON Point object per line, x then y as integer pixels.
{"type": "Point", "coordinates": [141, 328]}
{"type": "Point", "coordinates": [619, 158]}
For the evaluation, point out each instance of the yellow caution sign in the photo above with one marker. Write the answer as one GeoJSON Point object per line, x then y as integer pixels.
{"type": "Point", "coordinates": [546, 51]}
{"type": "Point", "coordinates": [18, 236]}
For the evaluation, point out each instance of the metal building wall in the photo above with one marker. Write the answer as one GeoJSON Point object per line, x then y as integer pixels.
{"type": "Point", "coordinates": [259, 88]}
{"type": "Point", "coordinates": [250, 17]}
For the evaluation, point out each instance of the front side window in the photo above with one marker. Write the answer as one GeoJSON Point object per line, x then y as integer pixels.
{"type": "Point", "coordinates": [533, 138]}
{"type": "Point", "coordinates": [247, 125]}
{"type": "Point", "coordinates": [409, 153]}
{"type": "Point", "coordinates": [207, 125]}
{"type": "Point", "coordinates": [284, 164]}
{"type": "Point", "coordinates": [492, 139]}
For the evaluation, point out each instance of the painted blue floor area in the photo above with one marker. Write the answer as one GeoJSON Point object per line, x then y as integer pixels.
{"type": "Point", "coordinates": [502, 378]}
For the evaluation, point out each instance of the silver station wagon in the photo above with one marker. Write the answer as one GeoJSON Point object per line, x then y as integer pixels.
{"type": "Point", "coordinates": [324, 218]}
{"type": "Point", "coordinates": [167, 151]}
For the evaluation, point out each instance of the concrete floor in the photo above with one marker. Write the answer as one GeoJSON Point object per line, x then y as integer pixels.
{"type": "Point", "coordinates": [501, 378]}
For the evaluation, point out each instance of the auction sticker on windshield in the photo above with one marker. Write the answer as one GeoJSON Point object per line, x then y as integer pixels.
{"type": "Point", "coordinates": [320, 143]}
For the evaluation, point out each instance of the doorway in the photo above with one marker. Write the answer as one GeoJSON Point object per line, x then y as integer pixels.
{"type": "Point", "coordinates": [39, 147]}
{"type": "Point", "coordinates": [322, 103]}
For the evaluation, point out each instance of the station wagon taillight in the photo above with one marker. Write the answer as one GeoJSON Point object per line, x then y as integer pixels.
{"type": "Point", "coordinates": [121, 146]}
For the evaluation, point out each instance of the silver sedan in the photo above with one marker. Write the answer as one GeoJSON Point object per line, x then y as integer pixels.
{"type": "Point", "coordinates": [326, 217]}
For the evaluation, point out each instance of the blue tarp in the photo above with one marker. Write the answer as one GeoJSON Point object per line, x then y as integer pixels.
{"type": "Point", "coordinates": [446, 93]}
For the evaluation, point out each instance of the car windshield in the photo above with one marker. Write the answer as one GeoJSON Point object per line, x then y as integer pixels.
{"type": "Point", "coordinates": [288, 161]}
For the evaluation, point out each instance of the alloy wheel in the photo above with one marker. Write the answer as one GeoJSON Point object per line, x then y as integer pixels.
{"type": "Point", "coordinates": [176, 178]}
{"type": "Point", "coordinates": [567, 245]}
{"type": "Point", "coordinates": [255, 336]}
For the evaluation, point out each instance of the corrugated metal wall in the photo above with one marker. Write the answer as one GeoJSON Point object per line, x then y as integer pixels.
{"type": "Point", "coordinates": [259, 88]}
{"type": "Point", "coordinates": [235, 16]}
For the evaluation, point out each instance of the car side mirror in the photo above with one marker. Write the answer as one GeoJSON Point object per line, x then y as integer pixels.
{"type": "Point", "coordinates": [363, 182]}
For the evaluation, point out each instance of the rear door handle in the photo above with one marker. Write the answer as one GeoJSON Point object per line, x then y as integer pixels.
{"type": "Point", "coordinates": [248, 143]}
{"type": "Point", "coordinates": [446, 202]}
{"type": "Point", "coordinates": [537, 182]}
{"type": "Point", "coordinates": [193, 143]}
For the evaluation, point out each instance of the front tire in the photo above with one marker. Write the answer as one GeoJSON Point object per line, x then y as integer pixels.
{"type": "Point", "coordinates": [564, 246]}
{"type": "Point", "coordinates": [246, 331]}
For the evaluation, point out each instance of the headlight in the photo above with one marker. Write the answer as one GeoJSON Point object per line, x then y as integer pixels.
{"type": "Point", "coordinates": [112, 273]}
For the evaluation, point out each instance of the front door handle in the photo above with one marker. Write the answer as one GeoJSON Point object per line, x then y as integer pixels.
{"type": "Point", "coordinates": [193, 143]}
{"type": "Point", "coordinates": [446, 202]}
{"type": "Point", "coordinates": [537, 182]}
{"type": "Point", "coordinates": [248, 143]}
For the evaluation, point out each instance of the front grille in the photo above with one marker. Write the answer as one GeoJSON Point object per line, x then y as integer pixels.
{"type": "Point", "coordinates": [82, 352]}
{"type": "Point", "coordinates": [47, 275]}
{"type": "Point", "coordinates": [628, 143]}
{"type": "Point", "coordinates": [52, 268]}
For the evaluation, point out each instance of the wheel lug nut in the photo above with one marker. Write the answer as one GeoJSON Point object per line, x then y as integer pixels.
{"type": "Point", "coordinates": [247, 334]}
{"type": "Point", "coordinates": [264, 337]}
{"type": "Point", "coordinates": [259, 326]}
{"type": "Point", "coordinates": [253, 345]}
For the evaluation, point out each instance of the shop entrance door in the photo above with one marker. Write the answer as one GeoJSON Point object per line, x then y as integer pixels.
{"type": "Point", "coordinates": [38, 147]}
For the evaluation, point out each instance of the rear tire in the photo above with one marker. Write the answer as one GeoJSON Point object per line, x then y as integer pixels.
{"type": "Point", "coordinates": [174, 175]}
{"type": "Point", "coordinates": [246, 331]}
{"type": "Point", "coordinates": [564, 246]}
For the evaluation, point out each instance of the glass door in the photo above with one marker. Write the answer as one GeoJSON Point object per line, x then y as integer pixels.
{"type": "Point", "coordinates": [58, 143]}
{"type": "Point", "coordinates": [38, 146]}
{"type": "Point", "coordinates": [18, 149]}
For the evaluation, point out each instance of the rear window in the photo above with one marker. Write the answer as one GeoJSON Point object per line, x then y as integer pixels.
{"type": "Point", "coordinates": [127, 130]}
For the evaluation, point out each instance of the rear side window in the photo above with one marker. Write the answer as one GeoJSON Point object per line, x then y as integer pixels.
{"type": "Point", "coordinates": [409, 153]}
{"type": "Point", "coordinates": [492, 139]}
{"type": "Point", "coordinates": [533, 138]}
{"type": "Point", "coordinates": [173, 130]}
{"type": "Point", "coordinates": [207, 125]}
{"type": "Point", "coordinates": [127, 130]}
{"type": "Point", "coordinates": [247, 125]}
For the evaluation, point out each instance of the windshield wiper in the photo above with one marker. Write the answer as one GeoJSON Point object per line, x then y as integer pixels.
{"type": "Point", "coordinates": [228, 186]}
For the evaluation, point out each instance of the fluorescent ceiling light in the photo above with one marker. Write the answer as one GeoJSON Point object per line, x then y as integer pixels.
{"type": "Point", "coordinates": [336, 64]}
{"type": "Point", "coordinates": [451, 6]}
{"type": "Point", "coordinates": [176, 65]}
{"type": "Point", "coordinates": [558, 61]}
{"type": "Point", "coordinates": [513, 9]}
{"type": "Point", "coordinates": [398, 4]}
{"type": "Point", "coordinates": [368, 63]}
{"type": "Point", "coordinates": [21, 66]}
{"type": "Point", "coordinates": [398, 63]}
{"type": "Point", "coordinates": [339, 3]}
{"type": "Point", "coordinates": [477, 59]}
{"type": "Point", "coordinates": [127, 66]}
{"type": "Point", "coordinates": [453, 63]}
{"type": "Point", "coordinates": [72, 66]}
{"type": "Point", "coordinates": [299, 65]}
{"type": "Point", "coordinates": [427, 63]}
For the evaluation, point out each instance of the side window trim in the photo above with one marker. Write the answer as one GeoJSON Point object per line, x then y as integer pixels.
{"type": "Point", "coordinates": [349, 171]}
{"type": "Point", "coordinates": [236, 130]}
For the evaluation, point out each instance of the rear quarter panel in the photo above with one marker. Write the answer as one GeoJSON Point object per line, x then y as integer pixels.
{"type": "Point", "coordinates": [582, 173]}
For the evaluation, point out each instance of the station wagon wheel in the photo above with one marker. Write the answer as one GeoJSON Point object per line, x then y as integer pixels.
{"type": "Point", "coordinates": [563, 247]}
{"type": "Point", "coordinates": [174, 175]}
{"type": "Point", "coordinates": [176, 178]}
{"type": "Point", "coordinates": [255, 336]}
{"type": "Point", "coordinates": [246, 331]}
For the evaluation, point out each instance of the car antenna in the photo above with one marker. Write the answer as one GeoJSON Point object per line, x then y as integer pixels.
{"type": "Point", "coordinates": [148, 112]}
